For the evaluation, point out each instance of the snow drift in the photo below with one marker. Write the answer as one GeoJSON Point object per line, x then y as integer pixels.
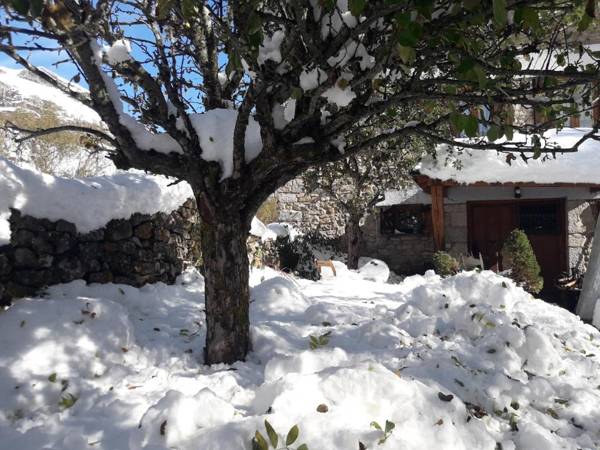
{"type": "Point", "coordinates": [466, 362]}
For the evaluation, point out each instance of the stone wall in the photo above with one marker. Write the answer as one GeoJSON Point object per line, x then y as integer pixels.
{"type": "Point", "coordinates": [403, 253]}
{"type": "Point", "coordinates": [581, 221]}
{"type": "Point", "coordinates": [141, 249]}
{"type": "Point", "coordinates": [406, 253]}
{"type": "Point", "coordinates": [307, 211]}
{"type": "Point", "coordinates": [455, 229]}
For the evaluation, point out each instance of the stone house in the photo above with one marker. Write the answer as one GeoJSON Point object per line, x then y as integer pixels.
{"type": "Point", "coordinates": [467, 202]}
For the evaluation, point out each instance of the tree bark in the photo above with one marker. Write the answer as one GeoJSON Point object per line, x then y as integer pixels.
{"type": "Point", "coordinates": [227, 293]}
{"type": "Point", "coordinates": [353, 241]}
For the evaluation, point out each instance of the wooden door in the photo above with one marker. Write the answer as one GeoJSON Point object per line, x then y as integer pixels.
{"type": "Point", "coordinates": [489, 226]}
{"type": "Point", "coordinates": [544, 222]}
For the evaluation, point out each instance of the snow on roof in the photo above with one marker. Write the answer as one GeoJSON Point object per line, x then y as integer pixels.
{"type": "Point", "coordinates": [412, 194]}
{"type": "Point", "coordinates": [20, 81]}
{"type": "Point", "coordinates": [89, 203]}
{"type": "Point", "coordinates": [467, 166]}
{"type": "Point", "coordinates": [548, 61]}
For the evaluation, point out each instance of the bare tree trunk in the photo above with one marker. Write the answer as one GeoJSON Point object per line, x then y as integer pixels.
{"type": "Point", "coordinates": [353, 241]}
{"type": "Point", "coordinates": [227, 292]}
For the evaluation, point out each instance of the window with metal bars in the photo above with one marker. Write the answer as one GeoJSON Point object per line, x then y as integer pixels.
{"type": "Point", "coordinates": [406, 220]}
{"type": "Point", "coordinates": [539, 219]}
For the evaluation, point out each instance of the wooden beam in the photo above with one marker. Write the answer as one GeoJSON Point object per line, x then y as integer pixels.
{"type": "Point", "coordinates": [437, 215]}
{"type": "Point", "coordinates": [574, 121]}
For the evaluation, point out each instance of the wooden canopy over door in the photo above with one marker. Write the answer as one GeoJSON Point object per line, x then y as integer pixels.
{"type": "Point", "coordinates": [544, 222]}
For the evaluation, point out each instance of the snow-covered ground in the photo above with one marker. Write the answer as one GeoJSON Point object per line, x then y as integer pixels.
{"type": "Point", "coordinates": [467, 362]}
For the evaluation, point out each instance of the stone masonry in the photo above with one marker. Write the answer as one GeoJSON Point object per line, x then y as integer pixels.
{"type": "Point", "coordinates": [403, 253]}
{"type": "Point", "coordinates": [309, 211]}
{"type": "Point", "coordinates": [581, 221]}
{"type": "Point", "coordinates": [135, 251]}
{"type": "Point", "coordinates": [406, 253]}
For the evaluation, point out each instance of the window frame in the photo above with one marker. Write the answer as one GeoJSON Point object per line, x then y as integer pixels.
{"type": "Point", "coordinates": [426, 225]}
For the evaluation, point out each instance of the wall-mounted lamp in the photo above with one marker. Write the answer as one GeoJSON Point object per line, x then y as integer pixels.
{"type": "Point", "coordinates": [517, 192]}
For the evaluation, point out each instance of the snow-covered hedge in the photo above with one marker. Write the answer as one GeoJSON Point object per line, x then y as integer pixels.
{"type": "Point", "coordinates": [89, 203]}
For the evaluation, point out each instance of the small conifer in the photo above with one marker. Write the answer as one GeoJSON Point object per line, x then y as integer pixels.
{"type": "Point", "coordinates": [517, 254]}
{"type": "Point", "coordinates": [445, 264]}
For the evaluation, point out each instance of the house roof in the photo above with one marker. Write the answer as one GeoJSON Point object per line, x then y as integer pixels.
{"type": "Point", "coordinates": [456, 165]}
{"type": "Point", "coordinates": [547, 60]}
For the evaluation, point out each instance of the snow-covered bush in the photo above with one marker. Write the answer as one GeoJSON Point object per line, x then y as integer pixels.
{"type": "Point", "coordinates": [291, 251]}
{"type": "Point", "coordinates": [517, 254]}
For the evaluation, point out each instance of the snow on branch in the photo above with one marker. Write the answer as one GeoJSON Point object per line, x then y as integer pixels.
{"type": "Point", "coordinates": [242, 96]}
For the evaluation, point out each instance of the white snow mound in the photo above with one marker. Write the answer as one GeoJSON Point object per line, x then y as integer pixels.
{"type": "Point", "coordinates": [373, 269]}
{"type": "Point", "coordinates": [459, 363]}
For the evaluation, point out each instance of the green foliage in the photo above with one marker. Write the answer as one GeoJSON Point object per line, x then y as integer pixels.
{"type": "Point", "coordinates": [320, 341]}
{"type": "Point", "coordinates": [500, 13]}
{"type": "Point", "coordinates": [518, 255]}
{"type": "Point", "coordinates": [268, 211]}
{"type": "Point", "coordinates": [67, 401]}
{"type": "Point", "coordinates": [386, 431]}
{"type": "Point", "coordinates": [260, 442]}
{"type": "Point", "coordinates": [445, 264]}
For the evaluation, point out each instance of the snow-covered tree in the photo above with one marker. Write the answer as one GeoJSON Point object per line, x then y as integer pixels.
{"type": "Point", "coordinates": [358, 182]}
{"type": "Point", "coordinates": [238, 97]}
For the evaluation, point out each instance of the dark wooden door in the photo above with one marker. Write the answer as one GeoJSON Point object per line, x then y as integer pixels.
{"type": "Point", "coordinates": [544, 222]}
{"type": "Point", "coordinates": [489, 226]}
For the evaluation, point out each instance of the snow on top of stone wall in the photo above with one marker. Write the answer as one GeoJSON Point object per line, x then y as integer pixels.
{"type": "Point", "coordinates": [89, 203]}
{"type": "Point", "coordinates": [468, 166]}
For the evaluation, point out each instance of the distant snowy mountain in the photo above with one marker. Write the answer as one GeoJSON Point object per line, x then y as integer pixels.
{"type": "Point", "coordinates": [30, 102]}
{"type": "Point", "coordinates": [21, 88]}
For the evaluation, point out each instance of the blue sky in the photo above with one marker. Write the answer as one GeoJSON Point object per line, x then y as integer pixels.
{"type": "Point", "coordinates": [49, 60]}
{"type": "Point", "coordinates": [38, 58]}
{"type": "Point", "coordinates": [54, 61]}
